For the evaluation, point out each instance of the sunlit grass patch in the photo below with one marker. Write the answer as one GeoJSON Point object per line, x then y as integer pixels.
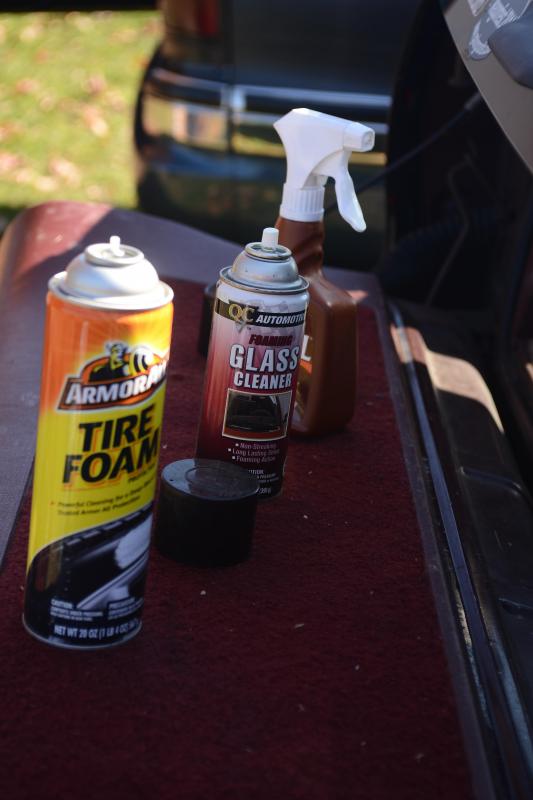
{"type": "Point", "coordinates": [67, 93]}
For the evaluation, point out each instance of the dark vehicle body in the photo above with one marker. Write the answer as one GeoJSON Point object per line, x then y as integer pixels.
{"type": "Point", "coordinates": [458, 272]}
{"type": "Point", "coordinates": [225, 71]}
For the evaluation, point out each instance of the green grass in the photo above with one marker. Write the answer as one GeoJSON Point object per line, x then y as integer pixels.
{"type": "Point", "coordinates": [67, 94]}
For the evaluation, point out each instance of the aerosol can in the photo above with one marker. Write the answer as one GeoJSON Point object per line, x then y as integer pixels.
{"type": "Point", "coordinates": [254, 352]}
{"type": "Point", "coordinates": [319, 146]}
{"type": "Point", "coordinates": [106, 348]}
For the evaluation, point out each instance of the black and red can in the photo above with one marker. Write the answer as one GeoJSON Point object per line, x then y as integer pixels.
{"type": "Point", "coordinates": [252, 364]}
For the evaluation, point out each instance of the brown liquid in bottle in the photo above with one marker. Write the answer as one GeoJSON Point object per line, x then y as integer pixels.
{"type": "Point", "coordinates": [325, 396]}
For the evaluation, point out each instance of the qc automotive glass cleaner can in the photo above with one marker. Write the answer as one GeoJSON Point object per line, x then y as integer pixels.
{"type": "Point", "coordinates": [252, 364]}
{"type": "Point", "coordinates": [106, 348]}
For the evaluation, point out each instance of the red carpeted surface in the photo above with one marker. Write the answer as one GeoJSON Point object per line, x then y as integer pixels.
{"type": "Point", "coordinates": [313, 671]}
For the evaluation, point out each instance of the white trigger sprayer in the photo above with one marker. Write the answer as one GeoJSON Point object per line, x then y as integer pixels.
{"type": "Point", "coordinates": [319, 146]}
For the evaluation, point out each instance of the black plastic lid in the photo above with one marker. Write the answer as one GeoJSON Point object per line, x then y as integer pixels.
{"type": "Point", "coordinates": [206, 512]}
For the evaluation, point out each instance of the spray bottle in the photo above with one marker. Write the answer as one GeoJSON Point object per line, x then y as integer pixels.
{"type": "Point", "coordinates": [319, 146]}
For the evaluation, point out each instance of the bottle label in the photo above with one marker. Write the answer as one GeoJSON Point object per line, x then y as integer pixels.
{"type": "Point", "coordinates": [250, 388]}
{"type": "Point", "coordinates": [305, 374]}
{"type": "Point", "coordinates": [98, 442]}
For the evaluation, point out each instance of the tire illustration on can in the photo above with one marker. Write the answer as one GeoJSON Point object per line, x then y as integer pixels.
{"type": "Point", "coordinates": [106, 348]}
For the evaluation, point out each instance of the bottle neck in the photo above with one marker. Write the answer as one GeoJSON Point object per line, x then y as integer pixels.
{"type": "Point", "coordinates": [304, 203]}
{"type": "Point", "coordinates": [306, 241]}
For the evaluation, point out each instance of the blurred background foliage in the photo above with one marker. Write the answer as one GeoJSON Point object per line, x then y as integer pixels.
{"type": "Point", "coordinates": [67, 96]}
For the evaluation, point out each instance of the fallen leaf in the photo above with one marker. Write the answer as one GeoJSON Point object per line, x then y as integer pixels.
{"type": "Point", "coordinates": [142, 62]}
{"type": "Point", "coordinates": [153, 26]}
{"type": "Point", "coordinates": [93, 119]}
{"type": "Point", "coordinates": [95, 84]}
{"type": "Point", "coordinates": [42, 56]}
{"type": "Point", "coordinates": [9, 162]}
{"type": "Point", "coordinates": [83, 22]}
{"type": "Point", "coordinates": [9, 129]}
{"type": "Point", "coordinates": [125, 36]}
{"type": "Point", "coordinates": [25, 175]}
{"type": "Point", "coordinates": [115, 100]}
{"type": "Point", "coordinates": [45, 183]}
{"type": "Point", "coordinates": [27, 86]}
{"type": "Point", "coordinates": [31, 32]}
{"type": "Point", "coordinates": [47, 102]}
{"type": "Point", "coordinates": [64, 169]}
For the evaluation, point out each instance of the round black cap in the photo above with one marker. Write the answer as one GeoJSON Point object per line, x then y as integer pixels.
{"type": "Point", "coordinates": [206, 512]}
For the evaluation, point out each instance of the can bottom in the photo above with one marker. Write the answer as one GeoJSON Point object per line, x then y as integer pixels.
{"type": "Point", "coordinates": [64, 646]}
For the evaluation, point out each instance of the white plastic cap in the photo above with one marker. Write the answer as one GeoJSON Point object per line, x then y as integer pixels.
{"type": "Point", "coordinates": [302, 204]}
{"type": "Point", "coordinates": [319, 146]}
{"type": "Point", "coordinates": [114, 246]}
{"type": "Point", "coordinates": [270, 238]}
{"type": "Point", "coordinates": [359, 137]}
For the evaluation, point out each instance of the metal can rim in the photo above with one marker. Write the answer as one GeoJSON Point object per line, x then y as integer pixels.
{"type": "Point", "coordinates": [118, 303]}
{"type": "Point", "coordinates": [264, 288]}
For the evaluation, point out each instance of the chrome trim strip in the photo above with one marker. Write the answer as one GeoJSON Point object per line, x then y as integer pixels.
{"type": "Point", "coordinates": [261, 118]}
{"type": "Point", "coordinates": [166, 76]}
{"type": "Point", "coordinates": [254, 118]}
{"type": "Point", "coordinates": [236, 95]}
{"type": "Point", "coordinates": [355, 99]}
{"type": "Point", "coordinates": [187, 123]}
{"type": "Point", "coordinates": [219, 127]}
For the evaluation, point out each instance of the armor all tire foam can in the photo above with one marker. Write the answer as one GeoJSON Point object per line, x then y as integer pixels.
{"type": "Point", "coordinates": [252, 365]}
{"type": "Point", "coordinates": [100, 415]}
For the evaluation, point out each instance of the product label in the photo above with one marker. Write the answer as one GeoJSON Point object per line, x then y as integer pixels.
{"type": "Point", "coordinates": [253, 315]}
{"type": "Point", "coordinates": [476, 6]}
{"type": "Point", "coordinates": [497, 13]}
{"type": "Point", "coordinates": [98, 442]}
{"type": "Point", "coordinates": [305, 374]}
{"type": "Point", "coordinates": [121, 377]}
{"type": "Point", "coordinates": [256, 344]}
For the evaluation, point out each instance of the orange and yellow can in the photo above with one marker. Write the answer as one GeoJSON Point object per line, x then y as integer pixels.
{"type": "Point", "coordinates": [106, 349]}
